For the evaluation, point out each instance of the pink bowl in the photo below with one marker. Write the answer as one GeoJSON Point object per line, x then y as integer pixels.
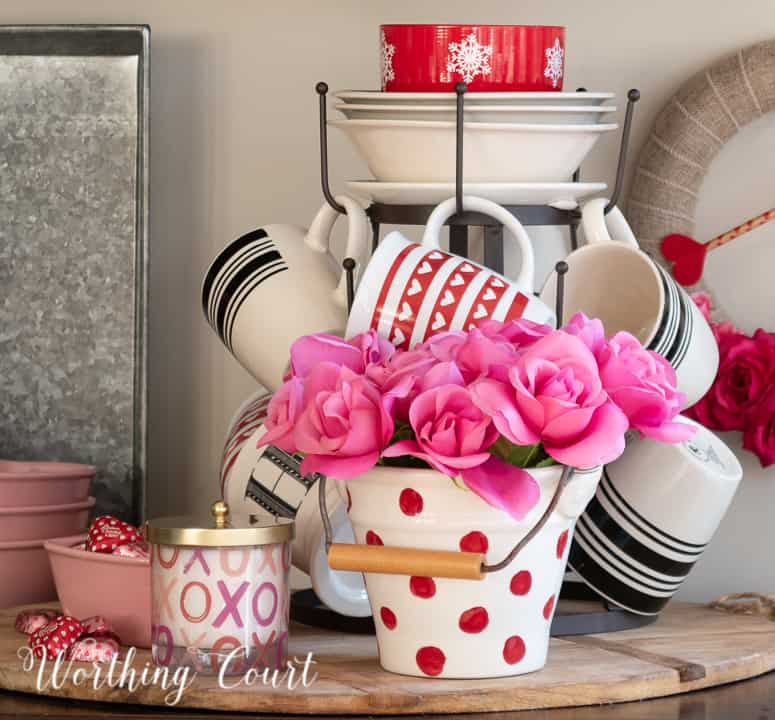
{"type": "Point", "coordinates": [119, 588]}
{"type": "Point", "coordinates": [40, 522]}
{"type": "Point", "coordinates": [488, 58]}
{"type": "Point", "coordinates": [43, 483]}
{"type": "Point", "coordinates": [25, 573]}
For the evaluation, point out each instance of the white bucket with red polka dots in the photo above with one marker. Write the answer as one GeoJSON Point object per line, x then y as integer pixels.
{"type": "Point", "coordinates": [450, 628]}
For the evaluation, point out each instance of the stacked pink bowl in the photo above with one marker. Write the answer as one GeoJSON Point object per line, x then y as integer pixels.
{"type": "Point", "coordinates": [38, 501]}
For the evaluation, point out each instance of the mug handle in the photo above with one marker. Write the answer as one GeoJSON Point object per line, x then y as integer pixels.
{"type": "Point", "coordinates": [318, 239]}
{"type": "Point", "coordinates": [471, 203]}
{"type": "Point", "coordinates": [602, 228]}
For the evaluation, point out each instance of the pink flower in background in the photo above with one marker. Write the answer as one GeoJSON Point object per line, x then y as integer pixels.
{"type": "Point", "coordinates": [521, 333]}
{"type": "Point", "coordinates": [643, 384]}
{"type": "Point", "coordinates": [400, 377]}
{"type": "Point", "coordinates": [745, 376]}
{"type": "Point", "coordinates": [357, 353]}
{"type": "Point", "coordinates": [703, 302]}
{"type": "Point", "coordinates": [310, 350]}
{"type": "Point", "coordinates": [759, 431]}
{"type": "Point", "coordinates": [590, 332]}
{"type": "Point", "coordinates": [555, 396]}
{"type": "Point", "coordinates": [476, 354]}
{"type": "Point", "coordinates": [283, 411]}
{"type": "Point", "coordinates": [374, 348]}
{"type": "Point", "coordinates": [345, 424]}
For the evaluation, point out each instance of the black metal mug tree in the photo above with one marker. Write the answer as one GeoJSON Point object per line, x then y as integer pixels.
{"type": "Point", "coordinates": [305, 607]}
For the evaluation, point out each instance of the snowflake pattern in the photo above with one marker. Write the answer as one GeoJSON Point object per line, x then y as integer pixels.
{"type": "Point", "coordinates": [469, 58]}
{"type": "Point", "coordinates": [554, 62]}
{"type": "Point", "coordinates": [387, 53]}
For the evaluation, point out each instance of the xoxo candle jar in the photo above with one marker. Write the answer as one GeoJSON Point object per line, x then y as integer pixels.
{"type": "Point", "coordinates": [219, 591]}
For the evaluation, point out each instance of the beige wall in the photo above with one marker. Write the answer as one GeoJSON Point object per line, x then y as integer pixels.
{"type": "Point", "coordinates": [234, 144]}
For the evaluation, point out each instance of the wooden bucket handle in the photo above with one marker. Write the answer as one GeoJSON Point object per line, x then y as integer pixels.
{"type": "Point", "coordinates": [428, 563]}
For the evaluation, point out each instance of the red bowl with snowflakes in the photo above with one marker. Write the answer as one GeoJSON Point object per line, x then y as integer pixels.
{"type": "Point", "coordinates": [488, 58]}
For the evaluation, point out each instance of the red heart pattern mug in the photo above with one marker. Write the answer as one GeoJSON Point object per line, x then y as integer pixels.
{"type": "Point", "coordinates": [411, 291]}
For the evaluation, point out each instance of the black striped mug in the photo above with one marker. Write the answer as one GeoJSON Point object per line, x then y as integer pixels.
{"type": "Point", "coordinates": [654, 512]}
{"type": "Point", "coordinates": [278, 282]}
{"type": "Point", "coordinates": [612, 279]}
{"type": "Point", "coordinates": [269, 478]}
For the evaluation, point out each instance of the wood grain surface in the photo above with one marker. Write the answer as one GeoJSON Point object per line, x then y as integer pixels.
{"type": "Point", "coordinates": [689, 648]}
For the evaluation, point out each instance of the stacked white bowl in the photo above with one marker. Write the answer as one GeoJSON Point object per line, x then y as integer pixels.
{"type": "Point", "coordinates": [518, 147]}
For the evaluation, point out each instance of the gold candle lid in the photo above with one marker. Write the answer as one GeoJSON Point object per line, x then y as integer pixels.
{"type": "Point", "coordinates": [221, 528]}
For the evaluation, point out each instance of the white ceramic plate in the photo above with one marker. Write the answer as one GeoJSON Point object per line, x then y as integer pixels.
{"type": "Point", "coordinates": [562, 195]}
{"type": "Point", "coordinates": [567, 114]}
{"type": "Point", "coordinates": [416, 151]}
{"type": "Point", "coordinates": [489, 98]}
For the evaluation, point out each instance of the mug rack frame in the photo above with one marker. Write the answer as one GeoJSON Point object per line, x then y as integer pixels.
{"type": "Point", "coordinates": [382, 213]}
{"type": "Point", "coordinates": [305, 606]}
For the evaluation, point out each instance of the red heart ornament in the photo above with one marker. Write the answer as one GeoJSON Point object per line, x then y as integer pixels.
{"type": "Point", "coordinates": [56, 637]}
{"type": "Point", "coordinates": [687, 257]}
{"type": "Point", "coordinates": [107, 533]}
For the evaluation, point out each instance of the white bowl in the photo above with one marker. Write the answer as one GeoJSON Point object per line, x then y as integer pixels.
{"type": "Point", "coordinates": [483, 98]}
{"type": "Point", "coordinates": [416, 151]}
{"type": "Point", "coordinates": [558, 114]}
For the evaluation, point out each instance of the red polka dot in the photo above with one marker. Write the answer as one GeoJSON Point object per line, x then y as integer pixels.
{"type": "Point", "coordinates": [388, 617]}
{"type": "Point", "coordinates": [373, 539]}
{"type": "Point", "coordinates": [349, 500]}
{"type": "Point", "coordinates": [474, 620]}
{"type": "Point", "coordinates": [410, 502]}
{"type": "Point", "coordinates": [422, 587]}
{"type": "Point", "coordinates": [521, 583]}
{"type": "Point", "coordinates": [562, 541]}
{"type": "Point", "coordinates": [549, 607]}
{"type": "Point", "coordinates": [430, 660]}
{"type": "Point", "coordinates": [475, 542]}
{"type": "Point", "coordinates": [514, 649]}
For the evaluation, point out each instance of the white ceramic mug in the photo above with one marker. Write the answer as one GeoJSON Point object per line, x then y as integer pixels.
{"type": "Point", "coordinates": [410, 292]}
{"type": "Point", "coordinates": [280, 282]}
{"type": "Point", "coordinates": [654, 512]}
{"type": "Point", "coordinates": [269, 478]}
{"type": "Point", "coordinates": [612, 279]}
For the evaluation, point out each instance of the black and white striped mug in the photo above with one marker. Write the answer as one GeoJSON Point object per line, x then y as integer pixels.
{"type": "Point", "coordinates": [267, 477]}
{"type": "Point", "coordinates": [279, 282]}
{"type": "Point", "coordinates": [654, 512]}
{"type": "Point", "coordinates": [612, 279]}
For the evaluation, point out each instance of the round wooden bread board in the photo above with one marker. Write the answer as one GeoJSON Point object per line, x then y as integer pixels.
{"type": "Point", "coordinates": [688, 648]}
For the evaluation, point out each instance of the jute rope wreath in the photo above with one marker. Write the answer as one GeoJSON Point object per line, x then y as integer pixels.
{"type": "Point", "coordinates": [694, 125]}
{"type": "Point", "coordinates": [697, 121]}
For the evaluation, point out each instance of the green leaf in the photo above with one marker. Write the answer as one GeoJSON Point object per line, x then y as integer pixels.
{"type": "Point", "coordinates": [523, 456]}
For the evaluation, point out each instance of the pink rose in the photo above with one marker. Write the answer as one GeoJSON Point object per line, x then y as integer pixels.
{"type": "Point", "coordinates": [356, 353]}
{"type": "Point", "coordinates": [400, 377]}
{"type": "Point", "coordinates": [345, 422]}
{"type": "Point", "coordinates": [746, 374]}
{"type": "Point", "coordinates": [475, 353]}
{"type": "Point", "coordinates": [643, 385]}
{"type": "Point", "coordinates": [702, 301]}
{"type": "Point", "coordinates": [590, 332]}
{"type": "Point", "coordinates": [759, 432]}
{"type": "Point", "coordinates": [281, 415]}
{"type": "Point", "coordinates": [555, 396]}
{"type": "Point", "coordinates": [374, 348]}
{"type": "Point", "coordinates": [310, 350]}
{"type": "Point", "coordinates": [453, 436]}
{"type": "Point", "coordinates": [451, 432]}
{"type": "Point", "coordinates": [520, 333]}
